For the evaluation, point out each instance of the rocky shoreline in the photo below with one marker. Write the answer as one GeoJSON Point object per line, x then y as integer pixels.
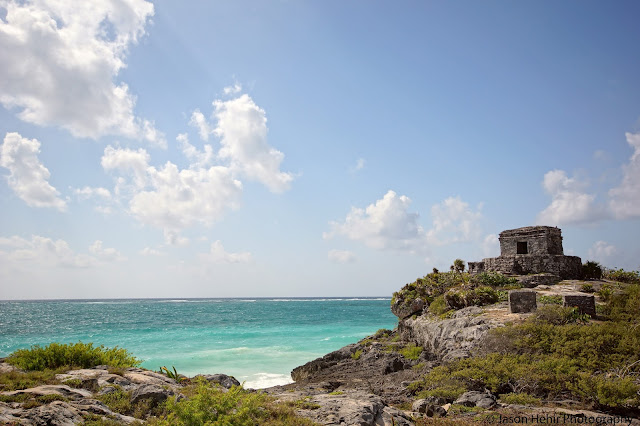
{"type": "Point", "coordinates": [365, 383]}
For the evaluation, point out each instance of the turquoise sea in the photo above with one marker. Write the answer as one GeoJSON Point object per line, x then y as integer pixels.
{"type": "Point", "coordinates": [259, 341]}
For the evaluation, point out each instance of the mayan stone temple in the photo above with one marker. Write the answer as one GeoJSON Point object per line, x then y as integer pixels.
{"type": "Point", "coordinates": [531, 250]}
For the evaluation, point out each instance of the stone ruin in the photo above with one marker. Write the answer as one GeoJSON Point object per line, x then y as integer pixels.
{"type": "Point", "coordinates": [531, 250]}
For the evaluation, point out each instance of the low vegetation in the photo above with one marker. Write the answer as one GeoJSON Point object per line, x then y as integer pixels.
{"type": "Point", "coordinates": [555, 354]}
{"type": "Point", "coordinates": [73, 355]}
{"type": "Point", "coordinates": [211, 404]}
{"type": "Point", "coordinates": [456, 289]}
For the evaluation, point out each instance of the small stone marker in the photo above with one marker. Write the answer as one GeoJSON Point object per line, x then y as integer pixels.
{"type": "Point", "coordinates": [522, 301]}
{"type": "Point", "coordinates": [586, 304]}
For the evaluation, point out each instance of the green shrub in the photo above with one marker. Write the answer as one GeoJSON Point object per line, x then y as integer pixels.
{"type": "Point", "coordinates": [620, 275]}
{"type": "Point", "coordinates": [207, 404]}
{"type": "Point", "coordinates": [118, 400]}
{"type": "Point", "coordinates": [356, 355]}
{"type": "Point", "coordinates": [591, 270]}
{"type": "Point", "coordinates": [495, 279]}
{"type": "Point", "coordinates": [439, 306]}
{"type": "Point", "coordinates": [459, 298]}
{"type": "Point", "coordinates": [587, 288]}
{"type": "Point", "coordinates": [624, 306]}
{"type": "Point", "coordinates": [605, 292]}
{"type": "Point", "coordinates": [82, 355]}
{"type": "Point", "coordinates": [520, 399]}
{"type": "Point", "coordinates": [551, 300]}
{"type": "Point", "coordinates": [411, 351]}
{"type": "Point", "coordinates": [16, 380]}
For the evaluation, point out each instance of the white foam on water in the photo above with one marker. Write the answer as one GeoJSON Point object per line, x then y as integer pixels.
{"type": "Point", "coordinates": [266, 380]}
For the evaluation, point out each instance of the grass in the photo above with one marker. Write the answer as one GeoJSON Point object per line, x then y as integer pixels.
{"type": "Point", "coordinates": [356, 355]}
{"type": "Point", "coordinates": [76, 355]}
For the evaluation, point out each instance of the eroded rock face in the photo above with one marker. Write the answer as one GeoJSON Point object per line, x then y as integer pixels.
{"type": "Point", "coordinates": [154, 393]}
{"type": "Point", "coordinates": [448, 339]}
{"type": "Point", "coordinates": [405, 308]}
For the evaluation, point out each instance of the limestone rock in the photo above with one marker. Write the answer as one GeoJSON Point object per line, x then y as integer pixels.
{"type": "Point", "coordinates": [222, 379]}
{"type": "Point", "coordinates": [354, 408]}
{"type": "Point", "coordinates": [476, 399]}
{"type": "Point", "coordinates": [57, 413]}
{"type": "Point", "coordinates": [155, 393]}
{"type": "Point", "coordinates": [62, 390]}
{"type": "Point", "coordinates": [145, 377]}
{"type": "Point", "coordinates": [447, 339]}
{"type": "Point", "coordinates": [5, 367]}
{"type": "Point", "coordinates": [404, 308]}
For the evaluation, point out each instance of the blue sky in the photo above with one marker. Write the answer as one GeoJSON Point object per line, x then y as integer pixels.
{"type": "Point", "coordinates": [307, 148]}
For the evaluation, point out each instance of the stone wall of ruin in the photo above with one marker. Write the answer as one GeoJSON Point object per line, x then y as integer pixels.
{"type": "Point", "coordinates": [541, 240]}
{"type": "Point", "coordinates": [565, 267]}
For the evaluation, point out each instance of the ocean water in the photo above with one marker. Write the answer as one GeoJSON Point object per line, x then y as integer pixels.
{"type": "Point", "coordinates": [259, 341]}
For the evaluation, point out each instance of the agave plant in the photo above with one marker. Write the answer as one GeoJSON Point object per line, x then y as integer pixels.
{"type": "Point", "coordinates": [171, 374]}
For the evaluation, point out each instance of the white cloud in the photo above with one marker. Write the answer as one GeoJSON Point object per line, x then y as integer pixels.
{"type": "Point", "coordinates": [43, 251]}
{"type": "Point", "coordinates": [58, 61]}
{"type": "Point", "coordinates": [197, 158]}
{"type": "Point", "coordinates": [169, 198]}
{"type": "Point", "coordinates": [177, 199]}
{"type": "Point", "coordinates": [28, 177]}
{"type": "Point", "coordinates": [454, 221]}
{"type": "Point", "coordinates": [232, 90]}
{"type": "Point", "coordinates": [341, 256]}
{"type": "Point", "coordinates": [602, 251]}
{"type": "Point", "coordinates": [105, 254]}
{"type": "Point", "coordinates": [217, 254]}
{"type": "Point", "coordinates": [199, 121]}
{"type": "Point", "coordinates": [89, 192]}
{"type": "Point", "coordinates": [242, 129]}
{"type": "Point", "coordinates": [569, 204]}
{"type": "Point", "coordinates": [491, 245]}
{"type": "Point", "coordinates": [386, 224]}
{"type": "Point", "coordinates": [625, 198]}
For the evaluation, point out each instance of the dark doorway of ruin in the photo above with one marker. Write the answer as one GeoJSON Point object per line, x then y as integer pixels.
{"type": "Point", "coordinates": [522, 247]}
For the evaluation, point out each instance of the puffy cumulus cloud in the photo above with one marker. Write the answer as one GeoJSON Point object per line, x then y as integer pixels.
{"type": "Point", "coordinates": [105, 254]}
{"type": "Point", "coordinates": [28, 178]}
{"type": "Point", "coordinates": [232, 90]}
{"type": "Point", "coordinates": [170, 198]}
{"type": "Point", "coordinates": [42, 251]}
{"type": "Point", "coordinates": [59, 59]}
{"type": "Point", "coordinates": [341, 256]}
{"type": "Point", "coordinates": [242, 129]}
{"type": "Point", "coordinates": [454, 221]}
{"type": "Point", "coordinates": [602, 251]}
{"type": "Point", "coordinates": [625, 199]}
{"type": "Point", "coordinates": [217, 254]}
{"type": "Point", "coordinates": [177, 199]}
{"type": "Point", "coordinates": [569, 203]}
{"type": "Point", "coordinates": [385, 224]}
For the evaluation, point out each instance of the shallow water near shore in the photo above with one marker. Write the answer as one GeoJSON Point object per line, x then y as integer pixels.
{"type": "Point", "coordinates": [259, 341]}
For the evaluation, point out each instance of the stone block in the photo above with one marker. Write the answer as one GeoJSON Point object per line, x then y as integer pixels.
{"type": "Point", "coordinates": [585, 303]}
{"type": "Point", "coordinates": [522, 301]}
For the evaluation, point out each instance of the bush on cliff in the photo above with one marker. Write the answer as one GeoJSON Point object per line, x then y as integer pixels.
{"type": "Point", "coordinates": [81, 355]}
{"type": "Point", "coordinates": [591, 270]}
{"type": "Point", "coordinates": [622, 276]}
